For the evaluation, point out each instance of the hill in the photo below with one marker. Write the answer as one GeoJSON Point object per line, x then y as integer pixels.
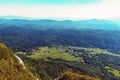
{"type": "Point", "coordinates": [10, 68]}
{"type": "Point", "coordinates": [32, 38]}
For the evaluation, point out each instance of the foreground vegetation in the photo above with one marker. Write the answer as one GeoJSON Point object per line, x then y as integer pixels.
{"type": "Point", "coordinates": [60, 62]}
{"type": "Point", "coordinates": [74, 76]}
{"type": "Point", "coordinates": [47, 63]}
{"type": "Point", "coordinates": [10, 68]}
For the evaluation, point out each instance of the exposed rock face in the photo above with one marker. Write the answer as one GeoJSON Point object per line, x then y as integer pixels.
{"type": "Point", "coordinates": [20, 61]}
{"type": "Point", "coordinates": [12, 67]}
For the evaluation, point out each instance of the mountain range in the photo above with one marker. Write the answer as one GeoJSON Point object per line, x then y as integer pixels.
{"type": "Point", "coordinates": [44, 24]}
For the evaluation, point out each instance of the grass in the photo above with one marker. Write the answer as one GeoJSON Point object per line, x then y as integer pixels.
{"type": "Point", "coordinates": [115, 72]}
{"type": "Point", "coordinates": [94, 51]}
{"type": "Point", "coordinates": [64, 56]}
{"type": "Point", "coordinates": [22, 53]}
{"type": "Point", "coordinates": [54, 53]}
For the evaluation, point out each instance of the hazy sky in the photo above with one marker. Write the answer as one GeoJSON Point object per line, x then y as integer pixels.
{"type": "Point", "coordinates": [67, 9]}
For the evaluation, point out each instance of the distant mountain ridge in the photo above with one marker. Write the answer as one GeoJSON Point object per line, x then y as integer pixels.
{"type": "Point", "coordinates": [44, 24]}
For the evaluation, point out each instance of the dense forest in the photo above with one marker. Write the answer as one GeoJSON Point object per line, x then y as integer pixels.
{"type": "Point", "coordinates": [22, 39]}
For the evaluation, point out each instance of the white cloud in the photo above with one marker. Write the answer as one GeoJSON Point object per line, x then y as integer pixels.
{"type": "Point", "coordinates": [102, 10]}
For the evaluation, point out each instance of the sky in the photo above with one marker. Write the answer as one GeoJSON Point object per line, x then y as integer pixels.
{"type": "Point", "coordinates": [61, 9]}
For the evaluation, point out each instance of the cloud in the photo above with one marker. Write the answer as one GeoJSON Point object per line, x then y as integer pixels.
{"type": "Point", "coordinates": [105, 9]}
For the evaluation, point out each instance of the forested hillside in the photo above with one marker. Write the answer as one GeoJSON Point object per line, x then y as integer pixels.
{"type": "Point", "coordinates": [22, 39]}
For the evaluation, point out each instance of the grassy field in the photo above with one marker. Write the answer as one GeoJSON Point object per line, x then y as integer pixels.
{"type": "Point", "coordinates": [113, 71]}
{"type": "Point", "coordinates": [54, 53]}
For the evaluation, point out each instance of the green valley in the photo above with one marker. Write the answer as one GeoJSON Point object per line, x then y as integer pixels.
{"type": "Point", "coordinates": [48, 62]}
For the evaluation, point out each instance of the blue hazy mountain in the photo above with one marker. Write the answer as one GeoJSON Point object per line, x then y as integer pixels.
{"type": "Point", "coordinates": [44, 24]}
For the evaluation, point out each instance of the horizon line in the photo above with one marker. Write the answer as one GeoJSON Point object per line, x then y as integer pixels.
{"type": "Point", "coordinates": [49, 18]}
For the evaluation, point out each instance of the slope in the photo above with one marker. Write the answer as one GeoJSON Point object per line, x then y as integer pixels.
{"type": "Point", "coordinates": [10, 68]}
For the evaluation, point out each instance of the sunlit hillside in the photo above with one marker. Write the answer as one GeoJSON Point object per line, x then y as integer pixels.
{"type": "Point", "coordinates": [10, 67]}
